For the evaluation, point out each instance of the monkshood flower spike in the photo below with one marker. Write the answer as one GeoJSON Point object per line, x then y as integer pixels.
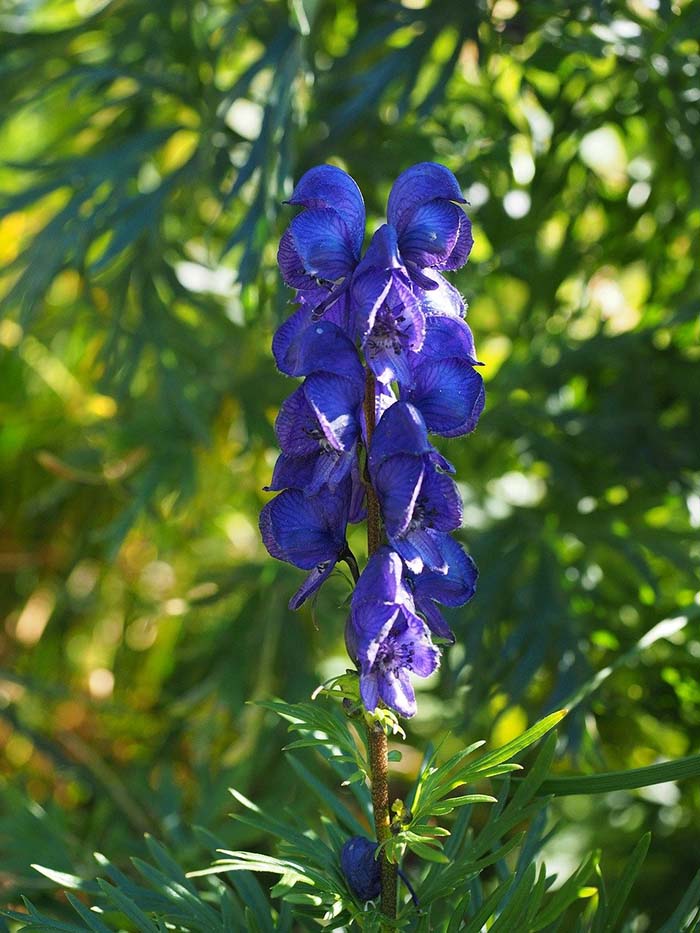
{"type": "Point", "coordinates": [387, 362]}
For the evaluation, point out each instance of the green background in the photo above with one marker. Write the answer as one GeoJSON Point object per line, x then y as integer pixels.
{"type": "Point", "coordinates": [145, 151]}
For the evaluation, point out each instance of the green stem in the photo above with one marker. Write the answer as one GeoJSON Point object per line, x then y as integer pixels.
{"type": "Point", "coordinates": [376, 737]}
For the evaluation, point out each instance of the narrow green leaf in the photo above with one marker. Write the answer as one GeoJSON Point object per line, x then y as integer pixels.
{"type": "Point", "coordinates": [488, 907]}
{"type": "Point", "coordinates": [64, 880]}
{"type": "Point", "coordinates": [89, 916]}
{"type": "Point", "coordinates": [428, 852]}
{"type": "Point", "coordinates": [458, 913]}
{"type": "Point", "coordinates": [519, 900]}
{"type": "Point", "coordinates": [128, 907]}
{"type": "Point", "coordinates": [529, 737]}
{"type": "Point", "coordinates": [676, 770]}
{"type": "Point", "coordinates": [567, 894]}
{"type": "Point", "coordinates": [689, 902]}
{"type": "Point", "coordinates": [623, 887]}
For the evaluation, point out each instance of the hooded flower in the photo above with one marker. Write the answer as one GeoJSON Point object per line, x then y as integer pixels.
{"type": "Point", "coordinates": [321, 247]}
{"type": "Point", "coordinates": [303, 345]}
{"type": "Point", "coordinates": [419, 502]}
{"type": "Point", "coordinates": [361, 868]}
{"type": "Point", "coordinates": [443, 383]}
{"type": "Point", "coordinates": [433, 232]}
{"type": "Point", "coordinates": [408, 322]}
{"type": "Point", "coordinates": [388, 318]}
{"type": "Point", "coordinates": [307, 531]}
{"type": "Point", "coordinates": [317, 428]}
{"type": "Point", "coordinates": [386, 638]}
{"type": "Point", "coordinates": [454, 588]}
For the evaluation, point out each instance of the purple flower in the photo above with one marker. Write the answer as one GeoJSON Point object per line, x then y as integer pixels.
{"type": "Point", "coordinates": [321, 247]}
{"type": "Point", "coordinates": [408, 322]}
{"type": "Point", "coordinates": [303, 345]}
{"type": "Point", "coordinates": [360, 867]}
{"type": "Point", "coordinates": [444, 385]}
{"type": "Point", "coordinates": [449, 394]}
{"type": "Point", "coordinates": [386, 638]}
{"type": "Point", "coordinates": [419, 502]}
{"type": "Point", "coordinates": [307, 531]}
{"type": "Point", "coordinates": [454, 588]}
{"type": "Point", "coordinates": [433, 232]}
{"type": "Point", "coordinates": [388, 318]}
{"type": "Point", "coordinates": [317, 428]}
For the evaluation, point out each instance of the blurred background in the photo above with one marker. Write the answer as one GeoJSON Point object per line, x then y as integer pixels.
{"type": "Point", "coordinates": [145, 150]}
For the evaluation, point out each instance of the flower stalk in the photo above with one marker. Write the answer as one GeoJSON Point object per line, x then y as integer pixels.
{"type": "Point", "coordinates": [379, 772]}
{"type": "Point", "coordinates": [387, 359]}
{"type": "Point", "coordinates": [376, 737]}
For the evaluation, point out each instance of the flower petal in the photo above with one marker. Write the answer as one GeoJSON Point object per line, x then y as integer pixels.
{"type": "Point", "coordinates": [448, 337]}
{"type": "Point", "coordinates": [397, 481]}
{"type": "Point", "coordinates": [301, 530]}
{"type": "Point", "coordinates": [397, 692]}
{"type": "Point", "coordinates": [322, 242]}
{"type": "Point", "coordinates": [383, 250]}
{"type": "Point", "coordinates": [369, 289]}
{"type": "Point", "coordinates": [454, 588]}
{"type": "Point", "coordinates": [311, 584]}
{"type": "Point", "coordinates": [369, 690]}
{"type": "Point", "coordinates": [371, 622]}
{"type": "Point", "coordinates": [418, 184]}
{"type": "Point", "coordinates": [335, 402]}
{"type": "Point", "coordinates": [330, 470]}
{"type": "Point", "coordinates": [442, 297]}
{"type": "Point", "coordinates": [441, 502]}
{"type": "Point", "coordinates": [401, 429]}
{"type": "Point", "coordinates": [357, 510]}
{"type": "Point", "coordinates": [326, 186]}
{"type": "Point", "coordinates": [382, 579]}
{"type": "Point", "coordinates": [303, 345]}
{"type": "Point", "coordinates": [426, 656]}
{"type": "Point", "coordinates": [431, 233]}
{"type": "Point", "coordinates": [292, 472]}
{"type": "Point", "coordinates": [463, 246]}
{"type": "Point", "coordinates": [435, 619]}
{"type": "Point", "coordinates": [420, 549]}
{"type": "Point", "coordinates": [449, 394]}
{"type": "Point", "coordinates": [389, 365]}
{"type": "Point", "coordinates": [397, 330]}
{"type": "Point", "coordinates": [295, 426]}
{"type": "Point", "coordinates": [291, 263]}
{"type": "Point", "coordinates": [442, 463]}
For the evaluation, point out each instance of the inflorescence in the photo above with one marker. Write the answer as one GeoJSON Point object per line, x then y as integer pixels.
{"type": "Point", "coordinates": [393, 309]}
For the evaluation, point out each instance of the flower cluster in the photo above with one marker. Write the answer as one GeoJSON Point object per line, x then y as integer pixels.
{"type": "Point", "coordinates": [377, 338]}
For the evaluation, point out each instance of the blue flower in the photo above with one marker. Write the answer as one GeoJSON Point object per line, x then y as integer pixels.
{"type": "Point", "coordinates": [318, 427]}
{"type": "Point", "coordinates": [443, 384]}
{"type": "Point", "coordinates": [396, 309]}
{"type": "Point", "coordinates": [303, 345]}
{"type": "Point", "coordinates": [321, 247]}
{"type": "Point", "coordinates": [386, 638]}
{"type": "Point", "coordinates": [419, 502]}
{"type": "Point", "coordinates": [388, 318]}
{"type": "Point", "coordinates": [309, 532]}
{"type": "Point", "coordinates": [360, 867]}
{"type": "Point", "coordinates": [433, 232]}
{"type": "Point", "coordinates": [454, 588]}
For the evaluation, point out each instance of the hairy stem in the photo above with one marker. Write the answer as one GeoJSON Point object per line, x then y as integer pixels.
{"type": "Point", "coordinates": [374, 522]}
{"type": "Point", "coordinates": [376, 737]}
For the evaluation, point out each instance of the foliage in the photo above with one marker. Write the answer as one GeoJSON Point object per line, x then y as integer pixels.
{"type": "Point", "coordinates": [450, 877]}
{"type": "Point", "coordinates": [145, 149]}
